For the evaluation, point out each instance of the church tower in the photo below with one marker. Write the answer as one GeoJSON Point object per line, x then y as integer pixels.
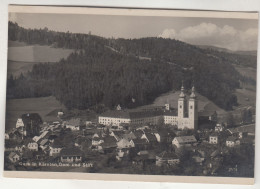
{"type": "Point", "coordinates": [193, 110]}
{"type": "Point", "coordinates": [181, 103]}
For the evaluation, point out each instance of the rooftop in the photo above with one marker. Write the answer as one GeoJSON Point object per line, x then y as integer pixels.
{"type": "Point", "coordinates": [186, 139]}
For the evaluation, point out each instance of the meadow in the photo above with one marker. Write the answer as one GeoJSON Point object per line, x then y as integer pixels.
{"type": "Point", "coordinates": [22, 57]}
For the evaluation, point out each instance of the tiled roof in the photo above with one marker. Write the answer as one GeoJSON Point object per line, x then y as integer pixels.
{"type": "Point", "coordinates": [186, 139]}
{"type": "Point", "coordinates": [109, 142]}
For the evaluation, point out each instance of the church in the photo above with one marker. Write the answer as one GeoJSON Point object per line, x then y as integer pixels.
{"type": "Point", "coordinates": [186, 115]}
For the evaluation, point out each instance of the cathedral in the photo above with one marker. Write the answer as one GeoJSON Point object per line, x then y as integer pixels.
{"type": "Point", "coordinates": [187, 110]}
{"type": "Point", "coordinates": [186, 115]}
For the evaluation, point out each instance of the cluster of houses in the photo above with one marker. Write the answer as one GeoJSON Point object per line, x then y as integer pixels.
{"type": "Point", "coordinates": [73, 141]}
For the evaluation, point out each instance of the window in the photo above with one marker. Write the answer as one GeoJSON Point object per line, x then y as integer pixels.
{"type": "Point", "coordinates": [180, 106]}
{"type": "Point", "coordinates": [190, 107]}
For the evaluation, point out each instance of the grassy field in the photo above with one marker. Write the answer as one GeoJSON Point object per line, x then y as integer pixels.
{"type": "Point", "coordinates": [17, 107]}
{"type": "Point", "coordinates": [37, 53]}
{"type": "Point", "coordinates": [22, 57]}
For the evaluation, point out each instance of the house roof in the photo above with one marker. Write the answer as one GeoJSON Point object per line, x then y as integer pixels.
{"type": "Point", "coordinates": [56, 144]}
{"type": "Point", "coordinates": [129, 136]}
{"type": "Point", "coordinates": [71, 152]}
{"type": "Point", "coordinates": [168, 155]}
{"type": "Point", "coordinates": [186, 139]}
{"type": "Point", "coordinates": [138, 133]}
{"type": "Point", "coordinates": [231, 138]}
{"type": "Point", "coordinates": [43, 142]}
{"type": "Point", "coordinates": [12, 154]}
{"type": "Point", "coordinates": [151, 137]}
{"type": "Point", "coordinates": [74, 122]}
{"type": "Point", "coordinates": [139, 141]}
{"type": "Point", "coordinates": [244, 129]}
{"type": "Point", "coordinates": [109, 142]}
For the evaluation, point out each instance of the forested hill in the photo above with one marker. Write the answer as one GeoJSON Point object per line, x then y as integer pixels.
{"type": "Point", "coordinates": [116, 71]}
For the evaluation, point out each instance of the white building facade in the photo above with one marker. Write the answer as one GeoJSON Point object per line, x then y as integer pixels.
{"type": "Point", "coordinates": [186, 116]}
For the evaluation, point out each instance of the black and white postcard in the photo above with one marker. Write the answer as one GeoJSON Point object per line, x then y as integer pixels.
{"type": "Point", "coordinates": [131, 94]}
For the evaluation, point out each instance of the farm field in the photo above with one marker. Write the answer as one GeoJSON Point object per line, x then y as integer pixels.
{"type": "Point", "coordinates": [43, 106]}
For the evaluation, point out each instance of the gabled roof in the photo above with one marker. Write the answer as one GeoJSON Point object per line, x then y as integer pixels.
{"type": "Point", "coordinates": [44, 142]}
{"type": "Point", "coordinates": [129, 136]}
{"type": "Point", "coordinates": [138, 133]}
{"type": "Point", "coordinates": [150, 137]}
{"type": "Point", "coordinates": [186, 139]}
{"type": "Point", "coordinates": [139, 141]}
{"type": "Point", "coordinates": [109, 142]}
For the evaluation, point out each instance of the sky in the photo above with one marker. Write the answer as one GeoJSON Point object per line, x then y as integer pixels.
{"type": "Point", "coordinates": [233, 34]}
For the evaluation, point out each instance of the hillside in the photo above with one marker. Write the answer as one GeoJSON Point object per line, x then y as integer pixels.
{"type": "Point", "coordinates": [114, 71]}
{"type": "Point", "coordinates": [22, 56]}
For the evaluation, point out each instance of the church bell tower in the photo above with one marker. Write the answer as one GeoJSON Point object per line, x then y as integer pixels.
{"type": "Point", "coordinates": [193, 110]}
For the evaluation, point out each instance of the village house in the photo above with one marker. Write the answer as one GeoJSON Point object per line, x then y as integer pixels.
{"type": "Point", "coordinates": [232, 141]}
{"type": "Point", "coordinates": [109, 144]}
{"type": "Point", "coordinates": [150, 138]}
{"type": "Point", "coordinates": [124, 143]}
{"type": "Point", "coordinates": [219, 127]}
{"type": "Point", "coordinates": [184, 141]}
{"type": "Point", "coordinates": [33, 146]}
{"type": "Point", "coordinates": [55, 148]}
{"type": "Point", "coordinates": [97, 140]}
{"type": "Point", "coordinates": [139, 144]}
{"type": "Point", "coordinates": [213, 138]}
{"type": "Point", "coordinates": [167, 158]}
{"type": "Point", "coordinates": [73, 124]}
{"type": "Point", "coordinates": [71, 155]}
{"type": "Point", "coordinates": [14, 157]}
{"type": "Point", "coordinates": [117, 134]}
{"type": "Point", "coordinates": [19, 148]}
{"type": "Point", "coordinates": [129, 136]}
{"type": "Point", "coordinates": [44, 143]}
